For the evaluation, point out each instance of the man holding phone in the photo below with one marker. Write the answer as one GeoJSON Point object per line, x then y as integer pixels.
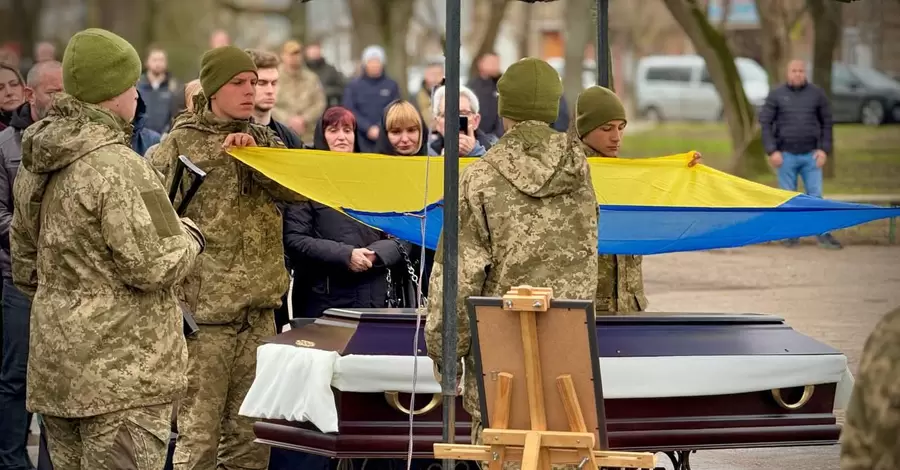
{"type": "Point", "coordinates": [472, 141]}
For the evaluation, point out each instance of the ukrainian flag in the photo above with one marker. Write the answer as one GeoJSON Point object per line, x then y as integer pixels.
{"type": "Point", "coordinates": [647, 206]}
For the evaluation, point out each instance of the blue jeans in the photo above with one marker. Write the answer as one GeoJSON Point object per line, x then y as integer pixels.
{"type": "Point", "coordinates": [14, 418]}
{"type": "Point", "coordinates": [801, 165]}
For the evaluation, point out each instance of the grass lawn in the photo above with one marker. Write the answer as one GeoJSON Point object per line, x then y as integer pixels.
{"type": "Point", "coordinates": [868, 161]}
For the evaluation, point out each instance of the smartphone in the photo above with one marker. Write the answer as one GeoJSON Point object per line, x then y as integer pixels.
{"type": "Point", "coordinates": [464, 124]}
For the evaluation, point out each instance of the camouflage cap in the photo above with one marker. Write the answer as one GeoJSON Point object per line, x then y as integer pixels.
{"type": "Point", "coordinates": [219, 65]}
{"type": "Point", "coordinates": [595, 107]}
{"type": "Point", "coordinates": [529, 90]}
{"type": "Point", "coordinates": [99, 65]}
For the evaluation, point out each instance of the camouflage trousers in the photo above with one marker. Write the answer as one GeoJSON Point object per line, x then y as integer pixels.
{"type": "Point", "coordinates": [476, 440]}
{"type": "Point", "coordinates": [135, 439]}
{"type": "Point", "coordinates": [221, 368]}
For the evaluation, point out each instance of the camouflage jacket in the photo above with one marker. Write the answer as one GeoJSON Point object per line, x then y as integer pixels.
{"type": "Point", "coordinates": [527, 215]}
{"type": "Point", "coordinates": [620, 285]}
{"type": "Point", "coordinates": [243, 264]}
{"type": "Point", "coordinates": [870, 439]}
{"type": "Point", "coordinates": [300, 93]}
{"type": "Point", "coordinates": [97, 244]}
{"type": "Point", "coordinates": [620, 279]}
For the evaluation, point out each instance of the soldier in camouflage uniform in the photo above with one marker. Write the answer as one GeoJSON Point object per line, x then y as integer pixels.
{"type": "Point", "coordinates": [301, 98]}
{"type": "Point", "coordinates": [98, 246]}
{"type": "Point", "coordinates": [599, 124]}
{"type": "Point", "coordinates": [527, 214]}
{"type": "Point", "coordinates": [870, 439]}
{"type": "Point", "coordinates": [240, 278]}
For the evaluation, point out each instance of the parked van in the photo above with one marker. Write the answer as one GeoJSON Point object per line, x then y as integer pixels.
{"type": "Point", "coordinates": [678, 87]}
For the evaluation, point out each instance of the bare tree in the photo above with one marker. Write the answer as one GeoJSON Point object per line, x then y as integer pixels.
{"type": "Point", "coordinates": [778, 19]}
{"type": "Point", "coordinates": [747, 156]}
{"type": "Point", "coordinates": [826, 38]}
{"type": "Point", "coordinates": [384, 22]}
{"type": "Point", "coordinates": [24, 25]}
{"type": "Point", "coordinates": [579, 17]}
{"type": "Point", "coordinates": [496, 11]}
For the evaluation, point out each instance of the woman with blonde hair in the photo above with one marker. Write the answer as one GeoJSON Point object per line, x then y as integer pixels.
{"type": "Point", "coordinates": [403, 131]}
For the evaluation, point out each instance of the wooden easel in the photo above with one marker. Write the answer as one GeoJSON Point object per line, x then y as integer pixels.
{"type": "Point", "coordinates": [538, 448]}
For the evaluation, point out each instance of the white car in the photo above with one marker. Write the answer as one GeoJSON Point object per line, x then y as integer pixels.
{"type": "Point", "coordinates": [678, 87]}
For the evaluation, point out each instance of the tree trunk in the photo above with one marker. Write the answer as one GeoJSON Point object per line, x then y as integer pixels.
{"type": "Point", "coordinates": [747, 156]}
{"type": "Point", "coordinates": [297, 16]}
{"type": "Point", "coordinates": [577, 34]}
{"type": "Point", "coordinates": [496, 12]}
{"type": "Point", "coordinates": [826, 16]}
{"type": "Point", "coordinates": [182, 29]}
{"type": "Point", "coordinates": [524, 36]}
{"type": "Point", "coordinates": [26, 22]}
{"type": "Point", "coordinates": [778, 19]}
{"type": "Point", "coordinates": [386, 23]}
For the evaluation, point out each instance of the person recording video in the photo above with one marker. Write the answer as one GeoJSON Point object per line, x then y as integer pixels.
{"type": "Point", "coordinates": [472, 141]}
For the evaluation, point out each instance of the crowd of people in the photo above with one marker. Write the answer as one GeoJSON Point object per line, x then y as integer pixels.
{"type": "Point", "coordinates": [99, 268]}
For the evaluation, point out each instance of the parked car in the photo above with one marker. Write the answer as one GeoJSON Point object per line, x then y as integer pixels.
{"type": "Point", "coordinates": [678, 87]}
{"type": "Point", "coordinates": [864, 95]}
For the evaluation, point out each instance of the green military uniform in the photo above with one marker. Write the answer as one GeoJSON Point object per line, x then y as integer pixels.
{"type": "Point", "coordinates": [238, 281]}
{"type": "Point", "coordinates": [870, 439]}
{"type": "Point", "coordinates": [620, 285]}
{"type": "Point", "coordinates": [527, 215]}
{"type": "Point", "coordinates": [97, 244]}
{"type": "Point", "coordinates": [300, 93]}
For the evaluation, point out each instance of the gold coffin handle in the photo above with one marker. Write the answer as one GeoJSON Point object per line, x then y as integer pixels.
{"type": "Point", "coordinates": [804, 399]}
{"type": "Point", "coordinates": [393, 399]}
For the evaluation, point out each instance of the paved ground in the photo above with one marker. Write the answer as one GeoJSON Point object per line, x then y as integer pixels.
{"type": "Point", "coordinates": [834, 296]}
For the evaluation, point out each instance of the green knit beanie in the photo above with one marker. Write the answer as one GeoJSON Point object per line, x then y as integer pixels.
{"type": "Point", "coordinates": [220, 65]}
{"type": "Point", "coordinates": [529, 90]}
{"type": "Point", "coordinates": [595, 107]}
{"type": "Point", "coordinates": [99, 65]}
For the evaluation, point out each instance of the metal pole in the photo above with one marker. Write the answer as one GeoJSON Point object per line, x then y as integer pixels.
{"type": "Point", "coordinates": [603, 64]}
{"type": "Point", "coordinates": [451, 223]}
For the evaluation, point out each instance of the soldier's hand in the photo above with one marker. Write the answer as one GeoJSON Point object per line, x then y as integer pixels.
{"type": "Point", "coordinates": [239, 139]}
{"type": "Point", "coordinates": [697, 158]}
{"type": "Point", "coordinates": [359, 260]}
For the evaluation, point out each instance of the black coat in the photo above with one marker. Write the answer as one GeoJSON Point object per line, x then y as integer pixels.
{"type": "Point", "coordinates": [796, 120]}
{"type": "Point", "coordinates": [486, 91]}
{"type": "Point", "coordinates": [318, 242]}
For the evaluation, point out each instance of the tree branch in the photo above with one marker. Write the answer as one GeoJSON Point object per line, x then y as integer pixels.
{"type": "Point", "coordinates": [235, 7]}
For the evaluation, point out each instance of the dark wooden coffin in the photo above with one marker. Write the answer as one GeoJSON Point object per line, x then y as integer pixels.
{"type": "Point", "coordinates": [370, 426]}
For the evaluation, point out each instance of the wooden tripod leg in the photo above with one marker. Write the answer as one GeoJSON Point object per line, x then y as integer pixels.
{"type": "Point", "coordinates": [503, 401]}
{"type": "Point", "coordinates": [570, 402]}
{"type": "Point", "coordinates": [533, 383]}
{"type": "Point", "coordinates": [574, 415]}
{"type": "Point", "coordinates": [500, 420]}
{"type": "Point", "coordinates": [531, 451]}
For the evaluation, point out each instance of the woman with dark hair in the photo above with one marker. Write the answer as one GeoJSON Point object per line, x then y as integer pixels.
{"type": "Point", "coordinates": [337, 261]}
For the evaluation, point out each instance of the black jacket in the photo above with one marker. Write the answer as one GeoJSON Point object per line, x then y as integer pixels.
{"type": "Point", "coordinates": [318, 241]}
{"type": "Point", "coordinates": [796, 120]}
{"type": "Point", "coordinates": [333, 81]}
{"type": "Point", "coordinates": [486, 91]}
{"type": "Point", "coordinates": [286, 134]}
{"type": "Point", "coordinates": [10, 158]}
